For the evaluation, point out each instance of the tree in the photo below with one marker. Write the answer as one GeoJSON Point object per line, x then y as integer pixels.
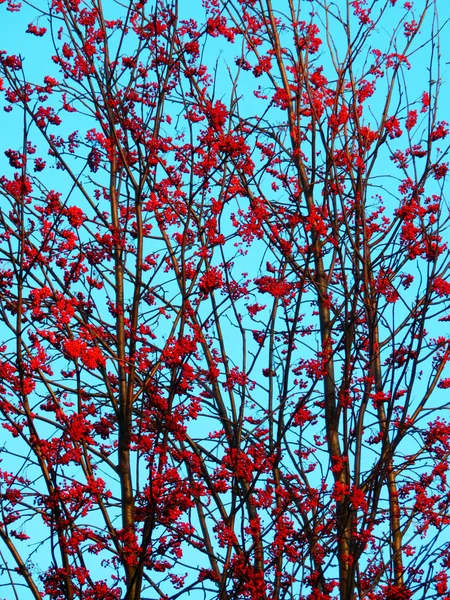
{"type": "Point", "coordinates": [224, 289]}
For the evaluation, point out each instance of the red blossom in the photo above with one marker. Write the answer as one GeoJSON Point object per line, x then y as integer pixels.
{"type": "Point", "coordinates": [273, 286]}
{"type": "Point", "coordinates": [392, 126]}
{"type": "Point", "coordinates": [441, 286]}
{"type": "Point", "coordinates": [38, 31]}
{"type": "Point", "coordinates": [210, 281]}
{"type": "Point", "coordinates": [425, 102]}
{"type": "Point", "coordinates": [75, 216]}
{"type": "Point", "coordinates": [440, 131]}
{"type": "Point", "coordinates": [13, 61]}
{"type": "Point", "coordinates": [411, 119]}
